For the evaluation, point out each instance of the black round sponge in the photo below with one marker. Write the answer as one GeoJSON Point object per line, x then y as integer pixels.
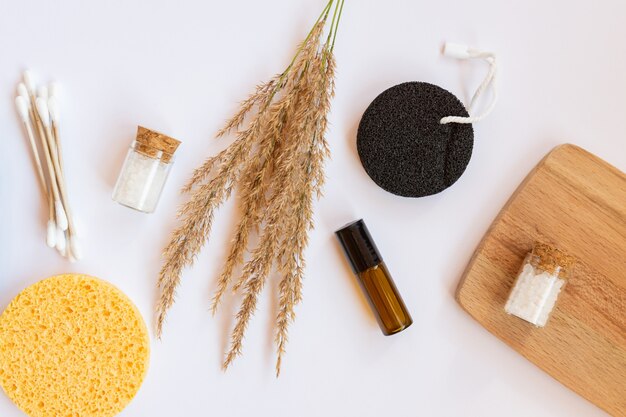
{"type": "Point", "coordinates": [405, 149]}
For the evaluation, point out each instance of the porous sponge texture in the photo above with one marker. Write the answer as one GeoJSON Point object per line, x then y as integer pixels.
{"type": "Point", "coordinates": [72, 346]}
{"type": "Point", "coordinates": [403, 146]}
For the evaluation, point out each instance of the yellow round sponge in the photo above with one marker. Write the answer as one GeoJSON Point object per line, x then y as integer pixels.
{"type": "Point", "coordinates": [72, 346]}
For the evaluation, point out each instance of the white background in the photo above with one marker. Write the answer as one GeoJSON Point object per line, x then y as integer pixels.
{"type": "Point", "coordinates": [180, 67]}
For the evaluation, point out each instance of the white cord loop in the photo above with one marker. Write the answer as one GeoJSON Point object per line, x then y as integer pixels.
{"type": "Point", "coordinates": [458, 51]}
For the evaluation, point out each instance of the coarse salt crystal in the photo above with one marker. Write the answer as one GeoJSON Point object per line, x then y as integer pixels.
{"type": "Point", "coordinates": [534, 295]}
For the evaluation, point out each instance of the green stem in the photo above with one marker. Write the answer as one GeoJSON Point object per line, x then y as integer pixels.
{"type": "Point", "coordinates": [332, 23]}
{"type": "Point", "coordinates": [322, 16]}
{"type": "Point", "coordinates": [332, 47]}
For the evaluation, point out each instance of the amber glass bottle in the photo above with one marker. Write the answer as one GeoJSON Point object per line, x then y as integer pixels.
{"type": "Point", "coordinates": [374, 278]}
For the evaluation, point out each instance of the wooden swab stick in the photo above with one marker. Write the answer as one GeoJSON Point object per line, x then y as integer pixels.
{"type": "Point", "coordinates": [67, 244]}
{"type": "Point", "coordinates": [62, 224]}
{"type": "Point", "coordinates": [24, 111]}
{"type": "Point", "coordinates": [45, 117]}
{"type": "Point", "coordinates": [59, 211]}
{"type": "Point", "coordinates": [28, 117]}
{"type": "Point", "coordinates": [51, 232]}
{"type": "Point", "coordinates": [73, 246]}
{"type": "Point", "coordinates": [53, 108]}
{"type": "Point", "coordinates": [53, 164]}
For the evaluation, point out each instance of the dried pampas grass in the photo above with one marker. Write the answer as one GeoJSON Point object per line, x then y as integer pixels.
{"type": "Point", "coordinates": [277, 165]}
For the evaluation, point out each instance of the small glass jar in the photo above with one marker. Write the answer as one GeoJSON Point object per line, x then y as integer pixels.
{"type": "Point", "coordinates": [374, 277]}
{"type": "Point", "coordinates": [145, 170]}
{"type": "Point", "coordinates": [542, 276]}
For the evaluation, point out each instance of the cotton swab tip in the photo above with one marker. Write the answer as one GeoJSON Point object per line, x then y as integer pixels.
{"type": "Point", "coordinates": [22, 108]}
{"type": "Point", "coordinates": [60, 215]}
{"type": "Point", "coordinates": [76, 248]}
{"type": "Point", "coordinates": [28, 80]}
{"type": "Point", "coordinates": [77, 226]}
{"type": "Point", "coordinates": [53, 109]}
{"type": "Point", "coordinates": [42, 109]}
{"type": "Point", "coordinates": [43, 92]}
{"type": "Point", "coordinates": [51, 237]}
{"type": "Point", "coordinates": [22, 90]}
{"type": "Point", "coordinates": [53, 89]}
{"type": "Point", "coordinates": [61, 241]}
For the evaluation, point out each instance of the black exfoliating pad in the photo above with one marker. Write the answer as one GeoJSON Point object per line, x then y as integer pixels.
{"type": "Point", "coordinates": [405, 149]}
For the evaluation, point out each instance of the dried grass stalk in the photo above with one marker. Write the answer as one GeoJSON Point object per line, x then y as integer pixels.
{"type": "Point", "coordinates": [277, 165]}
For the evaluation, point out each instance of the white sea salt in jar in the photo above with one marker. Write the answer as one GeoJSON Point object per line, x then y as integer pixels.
{"type": "Point", "coordinates": [539, 283]}
{"type": "Point", "coordinates": [145, 170]}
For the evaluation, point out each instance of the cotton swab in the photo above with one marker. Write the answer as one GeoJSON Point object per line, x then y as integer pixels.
{"type": "Point", "coordinates": [23, 109]}
{"type": "Point", "coordinates": [75, 247]}
{"type": "Point", "coordinates": [21, 103]}
{"type": "Point", "coordinates": [61, 217]}
{"type": "Point", "coordinates": [44, 127]}
{"type": "Point", "coordinates": [42, 109]}
{"type": "Point", "coordinates": [23, 106]}
{"type": "Point", "coordinates": [28, 81]}
{"type": "Point", "coordinates": [39, 108]}
{"type": "Point", "coordinates": [61, 206]}
{"type": "Point", "coordinates": [53, 89]}
{"type": "Point", "coordinates": [61, 242]}
{"type": "Point", "coordinates": [51, 236]}
{"type": "Point", "coordinates": [22, 91]}
{"type": "Point", "coordinates": [53, 108]}
{"type": "Point", "coordinates": [43, 92]}
{"type": "Point", "coordinates": [53, 193]}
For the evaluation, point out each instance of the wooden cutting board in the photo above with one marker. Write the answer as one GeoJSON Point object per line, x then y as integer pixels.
{"type": "Point", "coordinates": [577, 202]}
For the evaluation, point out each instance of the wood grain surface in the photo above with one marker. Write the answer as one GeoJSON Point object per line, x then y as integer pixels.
{"type": "Point", "coordinates": [577, 202]}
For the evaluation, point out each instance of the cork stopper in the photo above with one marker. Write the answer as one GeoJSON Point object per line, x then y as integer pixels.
{"type": "Point", "coordinates": [153, 144]}
{"type": "Point", "coordinates": [552, 260]}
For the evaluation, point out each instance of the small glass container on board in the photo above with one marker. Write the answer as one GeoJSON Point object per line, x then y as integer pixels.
{"type": "Point", "coordinates": [145, 170]}
{"type": "Point", "coordinates": [541, 279]}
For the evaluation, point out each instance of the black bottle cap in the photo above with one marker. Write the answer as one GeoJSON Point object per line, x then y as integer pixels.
{"type": "Point", "coordinates": [359, 246]}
